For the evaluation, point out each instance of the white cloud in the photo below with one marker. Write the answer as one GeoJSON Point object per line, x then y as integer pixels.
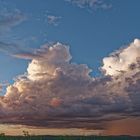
{"type": "Point", "coordinates": [57, 93]}
{"type": "Point", "coordinates": [123, 60]}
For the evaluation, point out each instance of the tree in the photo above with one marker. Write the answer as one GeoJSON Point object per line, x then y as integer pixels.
{"type": "Point", "coordinates": [26, 133]}
{"type": "Point", "coordinates": [2, 134]}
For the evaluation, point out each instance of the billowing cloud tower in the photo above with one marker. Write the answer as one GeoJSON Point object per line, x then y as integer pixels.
{"type": "Point", "coordinates": [57, 93]}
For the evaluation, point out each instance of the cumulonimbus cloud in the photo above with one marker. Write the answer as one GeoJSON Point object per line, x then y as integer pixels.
{"type": "Point", "coordinates": [54, 92]}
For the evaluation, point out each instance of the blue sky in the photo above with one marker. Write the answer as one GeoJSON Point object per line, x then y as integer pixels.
{"type": "Point", "coordinates": [91, 34]}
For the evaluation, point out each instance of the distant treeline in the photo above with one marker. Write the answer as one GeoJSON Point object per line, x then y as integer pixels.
{"type": "Point", "coordinates": [28, 137]}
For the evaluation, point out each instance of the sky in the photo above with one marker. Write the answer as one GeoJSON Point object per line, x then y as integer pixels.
{"type": "Point", "coordinates": [70, 66]}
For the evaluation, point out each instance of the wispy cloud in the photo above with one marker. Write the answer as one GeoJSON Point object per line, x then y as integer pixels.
{"type": "Point", "coordinates": [64, 95]}
{"type": "Point", "coordinates": [91, 4]}
{"type": "Point", "coordinates": [53, 20]}
{"type": "Point", "coordinates": [10, 19]}
{"type": "Point", "coordinates": [13, 49]}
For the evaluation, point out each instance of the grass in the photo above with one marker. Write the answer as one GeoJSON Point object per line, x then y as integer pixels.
{"type": "Point", "coordinates": [68, 138]}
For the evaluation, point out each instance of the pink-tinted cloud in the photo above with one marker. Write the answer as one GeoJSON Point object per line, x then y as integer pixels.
{"type": "Point", "coordinates": [57, 93]}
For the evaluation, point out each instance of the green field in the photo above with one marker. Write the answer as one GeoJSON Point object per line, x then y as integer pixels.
{"type": "Point", "coordinates": [68, 138]}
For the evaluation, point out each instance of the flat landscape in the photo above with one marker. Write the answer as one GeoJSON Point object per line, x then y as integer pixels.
{"type": "Point", "coordinates": [69, 138]}
{"type": "Point", "coordinates": [69, 69]}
